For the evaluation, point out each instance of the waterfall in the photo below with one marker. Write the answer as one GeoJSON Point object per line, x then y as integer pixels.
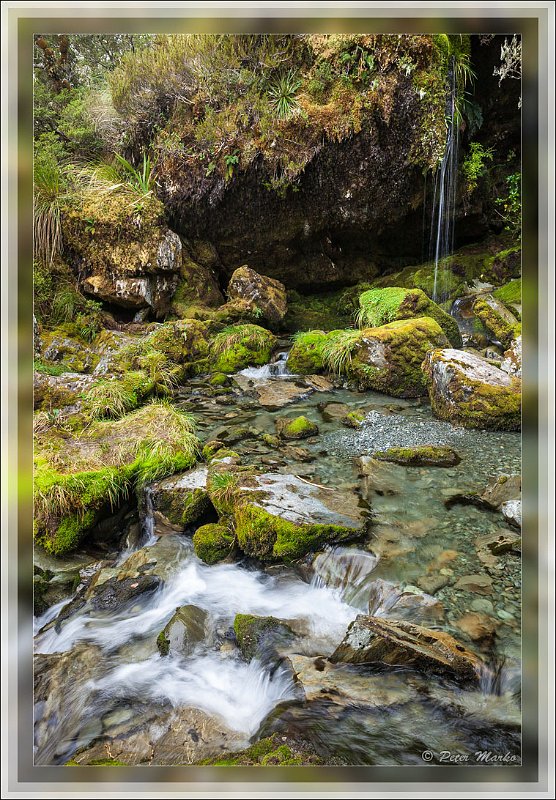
{"type": "Point", "coordinates": [147, 519]}
{"type": "Point", "coordinates": [275, 369]}
{"type": "Point", "coordinates": [444, 195]}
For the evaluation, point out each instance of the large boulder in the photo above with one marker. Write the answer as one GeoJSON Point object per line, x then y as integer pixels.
{"type": "Point", "coordinates": [181, 499]}
{"type": "Point", "coordinates": [380, 306]}
{"type": "Point", "coordinates": [266, 296]}
{"type": "Point", "coordinates": [468, 390]}
{"type": "Point", "coordinates": [373, 640]}
{"type": "Point", "coordinates": [258, 637]}
{"type": "Point", "coordinates": [496, 318]}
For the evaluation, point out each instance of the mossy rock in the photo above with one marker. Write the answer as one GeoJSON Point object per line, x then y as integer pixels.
{"type": "Point", "coordinates": [239, 346]}
{"type": "Point", "coordinates": [298, 428]}
{"type": "Point", "coordinates": [305, 357]}
{"type": "Point", "coordinates": [219, 379]}
{"type": "Point", "coordinates": [318, 311]}
{"type": "Point", "coordinates": [421, 456]}
{"type": "Point", "coordinates": [82, 477]}
{"type": "Point", "coordinates": [69, 351]}
{"type": "Point", "coordinates": [184, 630]}
{"type": "Point", "coordinates": [270, 751]}
{"type": "Point", "coordinates": [467, 390]}
{"type": "Point", "coordinates": [182, 342]}
{"type": "Point", "coordinates": [256, 636]}
{"type": "Point", "coordinates": [497, 319]}
{"type": "Point", "coordinates": [354, 419]}
{"type": "Point", "coordinates": [380, 306]}
{"type": "Point", "coordinates": [388, 359]}
{"type": "Point", "coordinates": [182, 499]}
{"type": "Point", "coordinates": [213, 543]}
{"type": "Point", "coordinates": [197, 288]}
{"type": "Point", "coordinates": [52, 392]}
{"type": "Point", "coordinates": [266, 296]}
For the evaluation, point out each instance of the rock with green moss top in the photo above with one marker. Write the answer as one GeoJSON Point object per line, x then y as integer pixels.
{"type": "Point", "coordinates": [305, 357]}
{"type": "Point", "coordinates": [282, 517]}
{"type": "Point", "coordinates": [468, 390]}
{"type": "Point", "coordinates": [496, 318]}
{"type": "Point", "coordinates": [509, 293]}
{"type": "Point", "coordinates": [388, 359]}
{"type": "Point", "coordinates": [266, 296]}
{"type": "Point", "coordinates": [503, 265]}
{"type": "Point", "coordinates": [213, 543]}
{"type": "Point", "coordinates": [225, 477]}
{"type": "Point", "coordinates": [240, 346]}
{"type": "Point", "coordinates": [380, 306]}
{"type": "Point", "coordinates": [182, 499]}
{"type": "Point", "coordinates": [257, 636]}
{"type": "Point", "coordinates": [298, 428]}
{"type": "Point", "coordinates": [72, 353]}
{"type": "Point", "coordinates": [421, 456]}
{"type": "Point", "coordinates": [275, 750]}
{"type": "Point", "coordinates": [219, 379]}
{"type": "Point", "coordinates": [80, 477]}
{"type": "Point", "coordinates": [182, 342]}
{"type": "Point", "coordinates": [197, 288]}
{"type": "Point", "coordinates": [354, 419]}
{"type": "Point", "coordinates": [183, 632]}
{"type": "Point", "coordinates": [58, 391]}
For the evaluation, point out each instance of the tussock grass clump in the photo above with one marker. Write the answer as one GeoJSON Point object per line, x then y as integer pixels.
{"type": "Point", "coordinates": [338, 348]}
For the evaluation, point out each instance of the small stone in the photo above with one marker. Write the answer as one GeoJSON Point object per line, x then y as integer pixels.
{"type": "Point", "coordinates": [480, 584]}
{"type": "Point", "coordinates": [477, 626]}
{"type": "Point", "coordinates": [506, 615]}
{"type": "Point", "coordinates": [479, 604]}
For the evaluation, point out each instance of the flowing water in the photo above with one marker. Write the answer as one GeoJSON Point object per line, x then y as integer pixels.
{"type": "Point", "coordinates": [108, 680]}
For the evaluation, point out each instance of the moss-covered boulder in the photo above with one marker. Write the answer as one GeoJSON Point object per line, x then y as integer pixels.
{"type": "Point", "coordinates": [468, 390]}
{"type": "Point", "coordinates": [281, 517]}
{"type": "Point", "coordinates": [354, 419]}
{"type": "Point", "coordinates": [305, 357]}
{"type": "Point", "coordinates": [52, 392]}
{"type": "Point", "coordinates": [421, 456]}
{"type": "Point", "coordinates": [183, 632]}
{"type": "Point", "coordinates": [296, 428]}
{"type": "Point", "coordinates": [256, 636]}
{"type": "Point", "coordinates": [81, 476]}
{"type": "Point", "coordinates": [266, 296]}
{"type": "Point", "coordinates": [240, 346]}
{"type": "Point", "coordinates": [126, 254]}
{"type": "Point", "coordinates": [388, 359]}
{"type": "Point", "coordinates": [497, 319]}
{"type": "Point", "coordinates": [380, 306]}
{"type": "Point", "coordinates": [182, 342]}
{"type": "Point", "coordinates": [213, 543]}
{"type": "Point", "coordinates": [182, 499]}
{"type": "Point", "coordinates": [61, 348]}
{"type": "Point", "coordinates": [197, 289]}
{"type": "Point", "coordinates": [509, 293]}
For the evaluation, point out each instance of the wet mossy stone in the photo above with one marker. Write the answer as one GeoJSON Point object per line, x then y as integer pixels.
{"type": "Point", "coordinates": [421, 456]}
{"type": "Point", "coordinates": [183, 632]}
{"type": "Point", "coordinates": [182, 499]}
{"type": "Point", "coordinates": [380, 306]}
{"type": "Point", "coordinates": [183, 341]}
{"type": "Point", "coordinates": [305, 357]}
{"type": "Point", "coordinates": [239, 346]}
{"type": "Point", "coordinates": [266, 296]}
{"type": "Point", "coordinates": [258, 637]}
{"type": "Point", "coordinates": [497, 319]}
{"type": "Point", "coordinates": [60, 347]}
{"type": "Point", "coordinates": [467, 390]}
{"type": "Point", "coordinates": [509, 293]}
{"type": "Point", "coordinates": [354, 419]}
{"type": "Point", "coordinates": [213, 543]}
{"type": "Point", "coordinates": [298, 428]}
{"type": "Point", "coordinates": [268, 751]}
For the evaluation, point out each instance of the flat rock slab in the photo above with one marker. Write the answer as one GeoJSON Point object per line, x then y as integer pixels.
{"type": "Point", "coordinates": [304, 503]}
{"type": "Point", "coordinates": [371, 640]}
{"type": "Point", "coordinates": [278, 392]}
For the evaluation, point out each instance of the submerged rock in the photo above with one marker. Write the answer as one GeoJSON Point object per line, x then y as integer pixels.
{"type": "Point", "coordinates": [184, 630]}
{"type": "Point", "coordinates": [388, 600]}
{"type": "Point", "coordinates": [422, 456]}
{"type": "Point", "coordinates": [467, 390]}
{"type": "Point", "coordinates": [479, 627]}
{"type": "Point", "coordinates": [116, 592]}
{"type": "Point", "coordinates": [277, 393]}
{"type": "Point", "coordinates": [370, 640]}
{"type": "Point", "coordinates": [266, 296]}
{"type": "Point", "coordinates": [182, 499]}
{"type": "Point", "coordinates": [213, 543]}
{"type": "Point", "coordinates": [297, 428]}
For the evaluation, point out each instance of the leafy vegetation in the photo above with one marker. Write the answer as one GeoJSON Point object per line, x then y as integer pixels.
{"type": "Point", "coordinates": [475, 164]}
{"type": "Point", "coordinates": [510, 205]}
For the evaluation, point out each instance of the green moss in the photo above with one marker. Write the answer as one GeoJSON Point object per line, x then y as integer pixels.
{"type": "Point", "coordinates": [268, 752]}
{"type": "Point", "coordinates": [240, 346]}
{"type": "Point", "coordinates": [213, 543]}
{"type": "Point", "coordinates": [311, 312]}
{"type": "Point", "coordinates": [354, 419]}
{"type": "Point", "coordinates": [163, 644]}
{"type": "Point", "coordinates": [97, 762]}
{"type": "Point", "coordinates": [182, 342]}
{"type": "Point", "coordinates": [272, 538]}
{"type": "Point", "coordinates": [305, 357]}
{"type": "Point", "coordinates": [424, 455]}
{"type": "Point", "coordinates": [380, 306]}
{"type": "Point", "coordinates": [279, 756]}
{"type": "Point", "coordinates": [298, 428]}
{"type": "Point", "coordinates": [254, 633]}
{"type": "Point", "coordinates": [510, 293]}
{"type": "Point", "coordinates": [502, 329]}
{"type": "Point", "coordinates": [65, 349]}
{"type": "Point", "coordinates": [182, 508]}
{"type": "Point", "coordinates": [219, 379]}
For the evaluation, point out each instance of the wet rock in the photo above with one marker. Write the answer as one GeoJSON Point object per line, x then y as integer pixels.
{"type": "Point", "coordinates": [479, 584]}
{"type": "Point", "coordinates": [479, 627]}
{"type": "Point", "coordinates": [297, 454]}
{"type": "Point", "coordinates": [500, 490]}
{"type": "Point", "coordinates": [183, 632]}
{"type": "Point", "coordinates": [511, 511]}
{"type": "Point", "coordinates": [74, 354]}
{"type": "Point", "coordinates": [388, 600]}
{"type": "Point", "coordinates": [354, 419]}
{"type": "Point", "coordinates": [266, 296]}
{"type": "Point", "coordinates": [58, 391]}
{"type": "Point", "coordinates": [213, 543]}
{"type": "Point", "coordinates": [296, 428]}
{"type": "Point", "coordinates": [381, 477]}
{"type": "Point", "coordinates": [511, 363]}
{"type": "Point", "coordinates": [423, 456]}
{"type": "Point", "coordinates": [276, 393]}
{"type": "Point", "coordinates": [261, 637]}
{"type": "Point", "coordinates": [433, 583]}
{"type": "Point", "coordinates": [333, 411]}
{"type": "Point", "coordinates": [182, 499]}
{"type": "Point", "coordinates": [467, 390]}
{"type": "Point", "coordinates": [496, 318]}
{"type": "Point", "coordinates": [370, 640]}
{"type": "Point", "coordinates": [282, 517]}
{"type": "Point", "coordinates": [499, 542]}
{"type": "Point", "coordinates": [283, 750]}
{"type": "Point", "coordinates": [115, 593]}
